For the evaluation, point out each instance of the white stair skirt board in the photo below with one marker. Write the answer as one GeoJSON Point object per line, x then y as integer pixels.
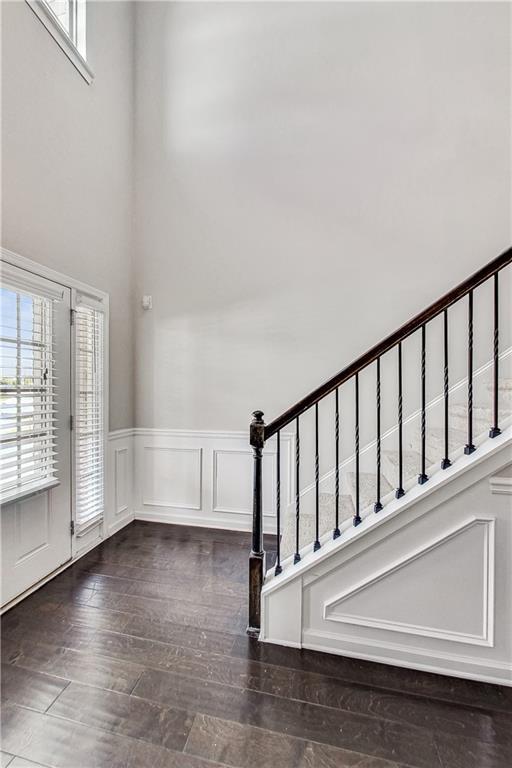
{"type": "Point", "coordinates": [423, 584]}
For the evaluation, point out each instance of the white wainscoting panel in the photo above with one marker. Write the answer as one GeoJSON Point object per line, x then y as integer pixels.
{"type": "Point", "coordinates": [119, 481]}
{"type": "Point", "coordinates": [205, 478]}
{"type": "Point", "coordinates": [232, 482]}
{"type": "Point", "coordinates": [464, 554]}
{"type": "Point", "coordinates": [171, 477]}
{"type": "Point", "coordinates": [427, 587]}
{"type": "Point", "coordinates": [122, 477]}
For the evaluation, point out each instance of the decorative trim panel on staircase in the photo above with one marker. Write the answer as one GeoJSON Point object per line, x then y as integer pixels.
{"type": "Point", "coordinates": [415, 581]}
{"type": "Point", "coordinates": [424, 584]}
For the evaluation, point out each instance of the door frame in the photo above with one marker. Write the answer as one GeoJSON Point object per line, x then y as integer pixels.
{"type": "Point", "coordinates": [90, 537]}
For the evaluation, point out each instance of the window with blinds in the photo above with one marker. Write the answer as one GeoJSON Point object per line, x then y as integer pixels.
{"type": "Point", "coordinates": [28, 458]}
{"type": "Point", "coordinates": [89, 421]}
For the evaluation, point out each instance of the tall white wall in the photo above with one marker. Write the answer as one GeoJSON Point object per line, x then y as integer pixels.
{"type": "Point", "coordinates": [308, 175]}
{"type": "Point", "coordinates": [67, 164]}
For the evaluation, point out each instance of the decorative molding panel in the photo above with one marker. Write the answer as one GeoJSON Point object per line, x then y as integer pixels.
{"type": "Point", "coordinates": [420, 593]}
{"type": "Point", "coordinates": [32, 526]}
{"type": "Point", "coordinates": [119, 482]}
{"type": "Point", "coordinates": [172, 477]}
{"type": "Point", "coordinates": [501, 485]}
{"type": "Point", "coordinates": [122, 500]}
{"type": "Point", "coordinates": [204, 478]}
{"type": "Point", "coordinates": [232, 482]}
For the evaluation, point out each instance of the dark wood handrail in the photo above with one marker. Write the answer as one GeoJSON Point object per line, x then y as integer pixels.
{"type": "Point", "coordinates": [390, 341]}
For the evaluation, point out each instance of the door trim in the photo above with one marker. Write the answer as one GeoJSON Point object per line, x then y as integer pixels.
{"type": "Point", "coordinates": [76, 286]}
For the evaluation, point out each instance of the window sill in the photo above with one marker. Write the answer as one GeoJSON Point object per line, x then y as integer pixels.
{"type": "Point", "coordinates": [30, 490]}
{"type": "Point", "coordinates": [47, 18]}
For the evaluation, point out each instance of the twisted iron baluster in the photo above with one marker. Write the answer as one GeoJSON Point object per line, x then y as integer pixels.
{"type": "Point", "coordinates": [469, 447]}
{"type": "Point", "coordinates": [357, 516]}
{"type": "Point", "coordinates": [378, 504]}
{"type": "Point", "coordinates": [445, 463]}
{"type": "Point", "coordinates": [336, 532]}
{"type": "Point", "coordinates": [317, 485]}
{"type": "Point", "coordinates": [423, 477]}
{"type": "Point", "coordinates": [296, 556]}
{"type": "Point", "coordinates": [400, 491]}
{"type": "Point", "coordinates": [278, 505]}
{"type": "Point", "coordinates": [495, 430]}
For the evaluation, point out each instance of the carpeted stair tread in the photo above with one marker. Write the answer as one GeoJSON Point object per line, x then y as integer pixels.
{"type": "Point", "coordinates": [307, 522]}
{"type": "Point", "coordinates": [367, 488]}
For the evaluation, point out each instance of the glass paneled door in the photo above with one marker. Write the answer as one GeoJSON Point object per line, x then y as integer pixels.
{"type": "Point", "coordinates": [35, 424]}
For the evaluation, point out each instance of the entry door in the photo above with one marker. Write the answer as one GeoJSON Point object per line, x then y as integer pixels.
{"type": "Point", "coordinates": [35, 460]}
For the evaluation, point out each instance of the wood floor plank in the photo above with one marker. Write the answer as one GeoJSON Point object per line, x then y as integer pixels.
{"type": "Point", "coordinates": [179, 634]}
{"type": "Point", "coordinates": [226, 566]}
{"type": "Point", "coordinates": [178, 611]}
{"type": "Point", "coordinates": [392, 741]}
{"type": "Point", "coordinates": [242, 746]}
{"type": "Point", "coordinates": [160, 611]}
{"type": "Point", "coordinates": [458, 752]}
{"type": "Point", "coordinates": [81, 585]}
{"type": "Point", "coordinates": [30, 689]}
{"type": "Point", "coordinates": [205, 664]}
{"type": "Point", "coordinates": [246, 746]}
{"type": "Point", "coordinates": [323, 756]}
{"type": "Point", "coordinates": [54, 611]}
{"type": "Point", "coordinates": [75, 636]}
{"type": "Point", "coordinates": [381, 676]}
{"type": "Point", "coordinates": [138, 650]}
{"type": "Point", "coordinates": [140, 574]}
{"type": "Point", "coordinates": [64, 744]}
{"type": "Point", "coordinates": [123, 714]}
{"type": "Point", "coordinates": [79, 666]}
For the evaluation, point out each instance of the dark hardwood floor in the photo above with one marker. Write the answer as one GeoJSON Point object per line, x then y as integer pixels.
{"type": "Point", "coordinates": [136, 657]}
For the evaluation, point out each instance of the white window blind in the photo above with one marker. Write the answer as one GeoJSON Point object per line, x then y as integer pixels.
{"type": "Point", "coordinates": [28, 393]}
{"type": "Point", "coordinates": [90, 414]}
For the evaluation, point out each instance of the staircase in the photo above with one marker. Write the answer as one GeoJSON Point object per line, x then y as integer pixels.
{"type": "Point", "coordinates": [395, 546]}
{"type": "Point", "coordinates": [457, 415]}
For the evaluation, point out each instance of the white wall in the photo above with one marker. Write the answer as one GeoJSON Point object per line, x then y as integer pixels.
{"type": "Point", "coordinates": [67, 164]}
{"type": "Point", "coordinates": [295, 162]}
{"type": "Point", "coordinates": [307, 177]}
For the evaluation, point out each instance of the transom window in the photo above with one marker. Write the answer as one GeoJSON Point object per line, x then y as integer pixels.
{"type": "Point", "coordinates": [66, 20]}
{"type": "Point", "coordinates": [71, 16]}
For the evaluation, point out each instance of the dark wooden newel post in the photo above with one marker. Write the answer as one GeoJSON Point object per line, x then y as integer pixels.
{"type": "Point", "coordinates": [257, 557]}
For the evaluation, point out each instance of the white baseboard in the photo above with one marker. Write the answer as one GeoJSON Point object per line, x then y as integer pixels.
{"type": "Point", "coordinates": [119, 524]}
{"type": "Point", "coordinates": [453, 665]}
{"type": "Point", "coordinates": [190, 517]}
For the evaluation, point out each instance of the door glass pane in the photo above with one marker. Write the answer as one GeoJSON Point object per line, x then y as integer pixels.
{"type": "Point", "coordinates": [27, 392]}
